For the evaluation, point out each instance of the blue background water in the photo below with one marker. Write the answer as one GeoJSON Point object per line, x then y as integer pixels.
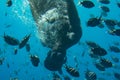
{"type": "Point", "coordinates": [17, 21]}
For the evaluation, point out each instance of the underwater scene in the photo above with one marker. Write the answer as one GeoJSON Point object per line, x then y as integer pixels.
{"type": "Point", "coordinates": [59, 39]}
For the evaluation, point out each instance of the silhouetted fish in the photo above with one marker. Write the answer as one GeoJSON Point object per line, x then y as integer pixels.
{"type": "Point", "coordinates": [118, 23]}
{"type": "Point", "coordinates": [1, 60]}
{"type": "Point", "coordinates": [15, 51]}
{"type": "Point", "coordinates": [106, 63]}
{"type": "Point", "coordinates": [110, 23]}
{"type": "Point", "coordinates": [114, 49]}
{"type": "Point", "coordinates": [104, 1]}
{"type": "Point", "coordinates": [115, 59]}
{"type": "Point", "coordinates": [118, 3]}
{"type": "Point", "coordinates": [99, 66]}
{"type": "Point", "coordinates": [105, 8]}
{"type": "Point", "coordinates": [90, 75]}
{"type": "Point", "coordinates": [27, 47]}
{"type": "Point", "coordinates": [93, 22]}
{"type": "Point", "coordinates": [114, 32]}
{"type": "Point", "coordinates": [24, 41]}
{"type": "Point", "coordinates": [35, 60]}
{"type": "Point", "coordinates": [117, 75]}
{"type": "Point", "coordinates": [56, 76]}
{"type": "Point", "coordinates": [87, 3]}
{"type": "Point", "coordinates": [9, 3]}
{"type": "Point", "coordinates": [98, 51]}
{"type": "Point", "coordinates": [10, 40]}
{"type": "Point", "coordinates": [92, 44]}
{"type": "Point", "coordinates": [66, 77]}
{"type": "Point", "coordinates": [72, 71]}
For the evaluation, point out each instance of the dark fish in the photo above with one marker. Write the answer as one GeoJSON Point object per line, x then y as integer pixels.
{"type": "Point", "coordinates": [99, 66]}
{"type": "Point", "coordinates": [15, 51]}
{"type": "Point", "coordinates": [8, 25]}
{"type": "Point", "coordinates": [8, 65]}
{"type": "Point", "coordinates": [105, 8]}
{"type": "Point", "coordinates": [115, 59]}
{"type": "Point", "coordinates": [9, 3]}
{"type": "Point", "coordinates": [106, 63]}
{"type": "Point", "coordinates": [104, 1]}
{"type": "Point", "coordinates": [87, 4]}
{"type": "Point", "coordinates": [24, 41]}
{"type": "Point", "coordinates": [35, 60]}
{"type": "Point", "coordinates": [66, 77]}
{"type": "Point", "coordinates": [118, 24]}
{"type": "Point", "coordinates": [10, 40]}
{"type": "Point", "coordinates": [93, 22]}
{"type": "Point", "coordinates": [83, 53]}
{"type": "Point", "coordinates": [98, 51]}
{"type": "Point", "coordinates": [117, 75]}
{"type": "Point", "coordinates": [118, 4]}
{"type": "Point", "coordinates": [110, 23]}
{"type": "Point", "coordinates": [92, 44]}
{"type": "Point", "coordinates": [114, 49]}
{"type": "Point", "coordinates": [90, 75]}
{"type": "Point", "coordinates": [114, 32]}
{"type": "Point", "coordinates": [1, 60]}
{"type": "Point", "coordinates": [56, 76]}
{"type": "Point", "coordinates": [72, 71]}
{"type": "Point", "coordinates": [27, 47]}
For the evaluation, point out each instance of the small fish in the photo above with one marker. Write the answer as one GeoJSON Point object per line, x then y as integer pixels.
{"type": "Point", "coordinates": [27, 47]}
{"type": "Point", "coordinates": [106, 63]}
{"type": "Point", "coordinates": [114, 32]}
{"type": "Point", "coordinates": [35, 60]}
{"type": "Point", "coordinates": [117, 75]}
{"type": "Point", "coordinates": [10, 40]}
{"type": "Point", "coordinates": [8, 65]}
{"type": "Point", "coordinates": [99, 66]}
{"type": "Point", "coordinates": [110, 23]}
{"type": "Point", "coordinates": [118, 3]}
{"type": "Point", "coordinates": [24, 41]}
{"type": "Point", "coordinates": [90, 75]}
{"type": "Point", "coordinates": [9, 3]}
{"type": "Point", "coordinates": [115, 59]}
{"type": "Point", "coordinates": [105, 8]}
{"type": "Point", "coordinates": [1, 60]}
{"type": "Point", "coordinates": [104, 1]}
{"type": "Point", "coordinates": [87, 4]}
{"type": "Point", "coordinates": [98, 51]}
{"type": "Point", "coordinates": [15, 51]}
{"type": "Point", "coordinates": [118, 23]}
{"type": "Point", "coordinates": [72, 71]}
{"type": "Point", "coordinates": [92, 44]}
{"type": "Point", "coordinates": [56, 76]}
{"type": "Point", "coordinates": [93, 22]}
{"type": "Point", "coordinates": [114, 49]}
{"type": "Point", "coordinates": [66, 77]}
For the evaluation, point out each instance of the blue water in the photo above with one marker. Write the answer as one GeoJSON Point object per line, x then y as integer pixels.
{"type": "Point", "coordinates": [18, 22]}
